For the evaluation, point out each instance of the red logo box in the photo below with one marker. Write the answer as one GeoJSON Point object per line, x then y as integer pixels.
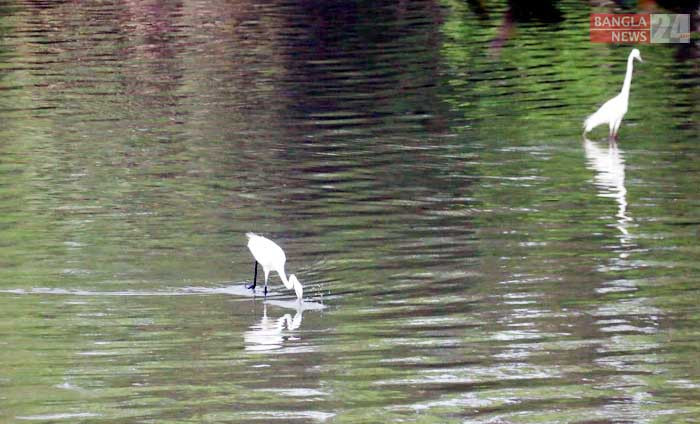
{"type": "Point", "coordinates": [624, 28]}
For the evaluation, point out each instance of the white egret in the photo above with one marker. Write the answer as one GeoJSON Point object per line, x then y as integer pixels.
{"type": "Point", "coordinates": [614, 110]}
{"type": "Point", "coordinates": [271, 257]}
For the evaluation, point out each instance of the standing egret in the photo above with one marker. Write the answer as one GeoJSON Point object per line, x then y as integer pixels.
{"type": "Point", "coordinates": [268, 254]}
{"type": "Point", "coordinates": [614, 109]}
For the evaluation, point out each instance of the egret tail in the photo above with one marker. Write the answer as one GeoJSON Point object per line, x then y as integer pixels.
{"type": "Point", "coordinates": [593, 121]}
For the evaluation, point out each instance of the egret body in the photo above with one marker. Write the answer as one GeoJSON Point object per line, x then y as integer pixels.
{"type": "Point", "coordinates": [614, 110]}
{"type": "Point", "coordinates": [271, 257]}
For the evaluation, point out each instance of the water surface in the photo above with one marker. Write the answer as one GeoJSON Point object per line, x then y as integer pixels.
{"type": "Point", "coordinates": [466, 255]}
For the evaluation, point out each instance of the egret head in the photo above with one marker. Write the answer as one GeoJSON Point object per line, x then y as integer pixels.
{"type": "Point", "coordinates": [297, 286]}
{"type": "Point", "coordinates": [636, 55]}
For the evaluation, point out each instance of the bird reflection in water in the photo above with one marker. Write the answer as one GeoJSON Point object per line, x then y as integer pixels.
{"type": "Point", "coordinates": [609, 165]}
{"type": "Point", "coordinates": [270, 334]}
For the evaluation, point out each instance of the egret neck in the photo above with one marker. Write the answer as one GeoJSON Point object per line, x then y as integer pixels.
{"type": "Point", "coordinates": [291, 283]}
{"type": "Point", "coordinates": [283, 276]}
{"type": "Point", "coordinates": [628, 78]}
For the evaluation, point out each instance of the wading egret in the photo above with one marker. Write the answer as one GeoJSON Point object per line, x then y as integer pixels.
{"type": "Point", "coordinates": [271, 257]}
{"type": "Point", "coordinates": [614, 110]}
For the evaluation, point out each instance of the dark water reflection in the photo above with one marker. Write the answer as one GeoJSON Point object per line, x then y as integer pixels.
{"type": "Point", "coordinates": [467, 257]}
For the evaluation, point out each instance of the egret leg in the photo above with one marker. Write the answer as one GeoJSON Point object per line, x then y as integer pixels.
{"type": "Point", "coordinates": [614, 128]}
{"type": "Point", "coordinates": [255, 277]}
{"type": "Point", "coordinates": [267, 274]}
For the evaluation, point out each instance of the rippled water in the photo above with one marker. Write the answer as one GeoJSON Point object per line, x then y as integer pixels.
{"type": "Point", "coordinates": [466, 256]}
